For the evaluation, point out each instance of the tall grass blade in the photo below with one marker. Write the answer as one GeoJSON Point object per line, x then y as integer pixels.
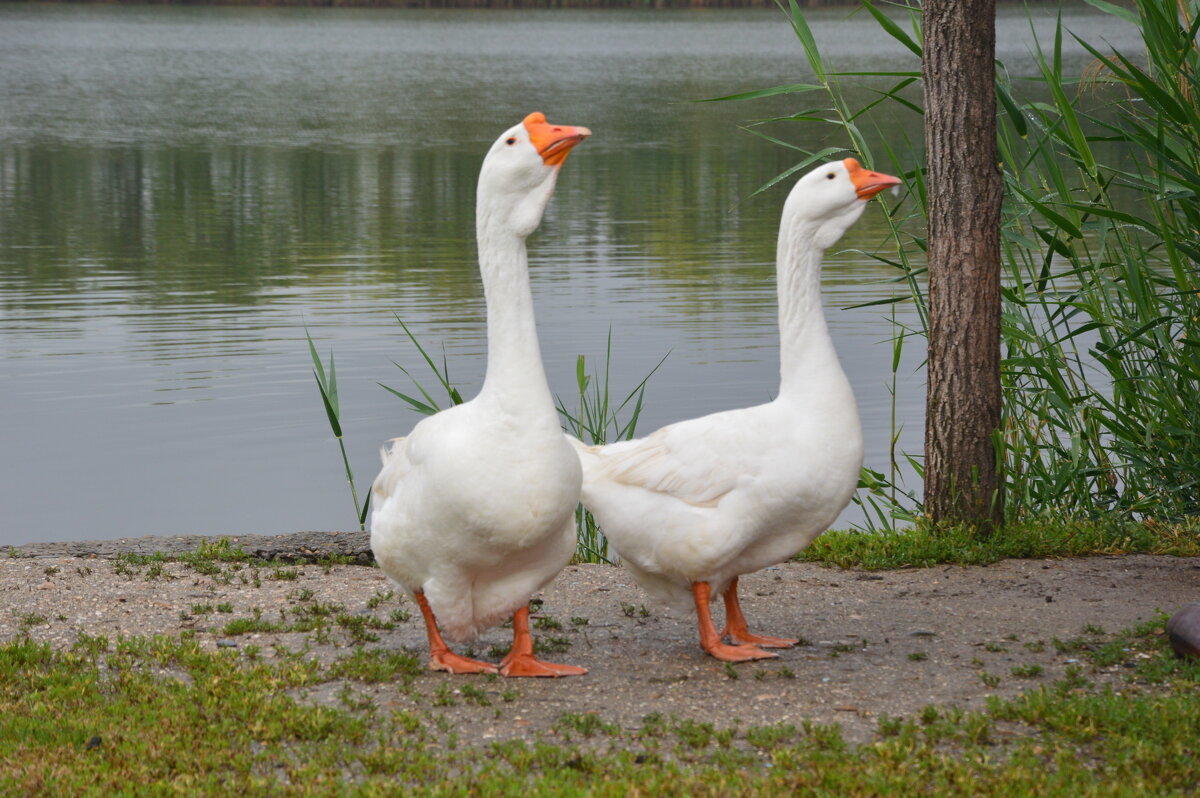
{"type": "Point", "coordinates": [793, 88]}
{"type": "Point", "coordinates": [327, 385]}
{"type": "Point", "coordinates": [595, 421]}
{"type": "Point", "coordinates": [894, 30]}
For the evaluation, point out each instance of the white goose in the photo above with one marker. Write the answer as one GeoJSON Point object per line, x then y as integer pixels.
{"type": "Point", "coordinates": [474, 510]}
{"type": "Point", "coordinates": [694, 505]}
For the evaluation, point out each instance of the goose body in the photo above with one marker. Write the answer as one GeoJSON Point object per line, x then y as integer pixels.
{"type": "Point", "coordinates": [737, 496]}
{"type": "Point", "coordinates": [473, 511]}
{"type": "Point", "coordinates": [694, 505]}
{"type": "Point", "coordinates": [476, 534]}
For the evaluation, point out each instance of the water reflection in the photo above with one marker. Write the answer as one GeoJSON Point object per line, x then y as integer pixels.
{"type": "Point", "coordinates": [184, 190]}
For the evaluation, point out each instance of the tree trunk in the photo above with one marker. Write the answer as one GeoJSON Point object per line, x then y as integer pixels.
{"type": "Point", "coordinates": [964, 195]}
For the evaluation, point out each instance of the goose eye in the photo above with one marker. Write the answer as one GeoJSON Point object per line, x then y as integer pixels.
{"type": "Point", "coordinates": [830, 176]}
{"type": "Point", "coordinates": [511, 140]}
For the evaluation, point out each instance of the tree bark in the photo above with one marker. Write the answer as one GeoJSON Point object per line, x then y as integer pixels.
{"type": "Point", "coordinates": [964, 192]}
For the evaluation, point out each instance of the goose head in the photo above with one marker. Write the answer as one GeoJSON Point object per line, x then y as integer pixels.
{"type": "Point", "coordinates": [520, 170]}
{"type": "Point", "coordinates": [830, 198]}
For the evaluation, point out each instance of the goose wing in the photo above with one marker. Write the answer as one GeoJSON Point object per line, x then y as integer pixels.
{"type": "Point", "coordinates": [698, 462]}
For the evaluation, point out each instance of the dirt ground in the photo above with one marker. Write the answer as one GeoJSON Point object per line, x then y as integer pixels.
{"type": "Point", "coordinates": [874, 643]}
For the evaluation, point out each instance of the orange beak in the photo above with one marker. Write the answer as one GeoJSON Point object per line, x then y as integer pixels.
{"type": "Point", "coordinates": [553, 142]}
{"type": "Point", "coordinates": [868, 183]}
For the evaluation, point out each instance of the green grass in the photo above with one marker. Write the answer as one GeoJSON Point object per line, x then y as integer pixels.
{"type": "Point", "coordinates": [222, 560]}
{"type": "Point", "coordinates": [378, 665]}
{"type": "Point", "coordinates": [924, 545]}
{"type": "Point", "coordinates": [243, 626]}
{"type": "Point", "coordinates": [162, 716]}
{"type": "Point", "coordinates": [1031, 671]}
{"type": "Point", "coordinates": [320, 619]}
{"type": "Point", "coordinates": [920, 545]}
{"type": "Point", "coordinates": [378, 598]}
{"type": "Point", "coordinates": [587, 724]}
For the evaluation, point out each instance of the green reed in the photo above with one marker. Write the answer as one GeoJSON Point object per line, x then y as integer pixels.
{"type": "Point", "coordinates": [430, 405]}
{"type": "Point", "coordinates": [327, 385]}
{"type": "Point", "coordinates": [1101, 317]}
{"type": "Point", "coordinates": [596, 420]}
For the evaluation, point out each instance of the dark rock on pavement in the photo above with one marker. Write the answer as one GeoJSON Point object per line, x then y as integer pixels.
{"type": "Point", "coordinates": [1183, 630]}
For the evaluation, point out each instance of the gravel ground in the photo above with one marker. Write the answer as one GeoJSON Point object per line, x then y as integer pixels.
{"type": "Point", "coordinates": [874, 643]}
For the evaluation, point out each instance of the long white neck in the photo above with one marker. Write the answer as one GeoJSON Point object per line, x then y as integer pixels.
{"type": "Point", "coordinates": [807, 359]}
{"type": "Point", "coordinates": [515, 377]}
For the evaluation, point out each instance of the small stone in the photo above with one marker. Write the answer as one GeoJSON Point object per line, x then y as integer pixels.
{"type": "Point", "coordinates": [1183, 630]}
{"type": "Point", "coordinates": [95, 742]}
{"type": "Point", "coordinates": [226, 644]}
{"type": "Point", "coordinates": [922, 633]}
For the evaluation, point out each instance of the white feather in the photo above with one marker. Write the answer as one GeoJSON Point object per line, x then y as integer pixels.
{"type": "Point", "coordinates": [475, 507]}
{"type": "Point", "coordinates": [714, 497]}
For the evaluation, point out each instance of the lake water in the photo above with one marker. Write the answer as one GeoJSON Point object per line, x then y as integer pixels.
{"type": "Point", "coordinates": [185, 190]}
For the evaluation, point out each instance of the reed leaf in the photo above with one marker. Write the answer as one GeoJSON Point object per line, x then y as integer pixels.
{"type": "Point", "coordinates": [793, 88]}
{"type": "Point", "coordinates": [596, 420]}
{"type": "Point", "coordinates": [892, 28]}
{"type": "Point", "coordinates": [327, 385]}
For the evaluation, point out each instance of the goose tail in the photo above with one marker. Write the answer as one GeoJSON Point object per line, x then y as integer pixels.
{"type": "Point", "coordinates": [389, 448]}
{"type": "Point", "coordinates": [586, 453]}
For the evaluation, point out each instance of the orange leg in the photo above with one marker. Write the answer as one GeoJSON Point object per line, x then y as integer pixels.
{"type": "Point", "coordinates": [441, 658]}
{"type": "Point", "coordinates": [710, 641]}
{"type": "Point", "coordinates": [520, 660]}
{"type": "Point", "coordinates": [735, 624]}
